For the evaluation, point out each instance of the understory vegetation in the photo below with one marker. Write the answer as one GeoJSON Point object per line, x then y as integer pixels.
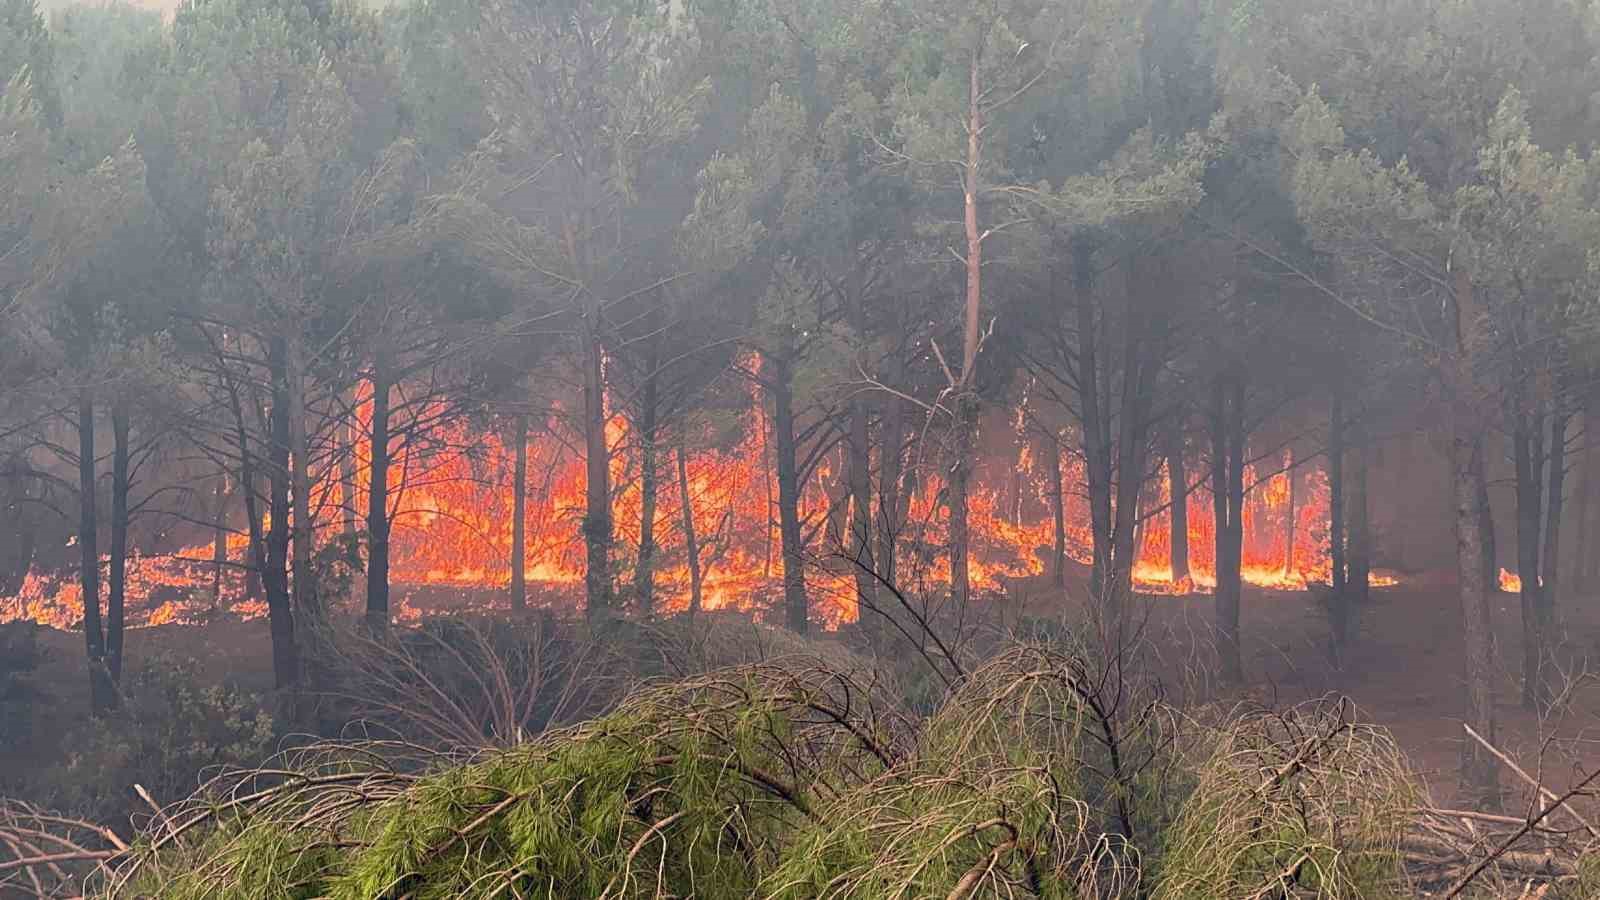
{"type": "Point", "coordinates": [781, 768]}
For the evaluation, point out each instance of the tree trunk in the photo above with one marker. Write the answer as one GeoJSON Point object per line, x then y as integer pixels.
{"type": "Point", "coordinates": [1058, 512]}
{"type": "Point", "coordinates": [597, 495]}
{"type": "Point", "coordinates": [102, 696]}
{"type": "Point", "coordinates": [1527, 452]}
{"type": "Point", "coordinates": [1095, 428]}
{"type": "Point", "coordinates": [378, 500]}
{"type": "Point", "coordinates": [347, 483]}
{"type": "Point", "coordinates": [274, 578]}
{"type": "Point", "coordinates": [519, 518]}
{"type": "Point", "coordinates": [1581, 559]}
{"type": "Point", "coordinates": [1178, 511]}
{"type": "Point", "coordinates": [307, 600]}
{"type": "Point", "coordinates": [1490, 557]}
{"type": "Point", "coordinates": [891, 468]}
{"type": "Point", "coordinates": [1291, 525]}
{"type": "Point", "coordinates": [1358, 583]}
{"type": "Point", "coordinates": [644, 573]}
{"type": "Point", "coordinates": [1230, 664]}
{"type": "Point", "coordinates": [219, 540]}
{"type": "Point", "coordinates": [965, 390]}
{"type": "Point", "coordinates": [1130, 469]}
{"type": "Point", "coordinates": [116, 596]}
{"type": "Point", "coordinates": [858, 543]}
{"type": "Point", "coordinates": [794, 584]}
{"type": "Point", "coordinates": [1555, 503]}
{"type": "Point", "coordinates": [691, 545]}
{"type": "Point", "coordinates": [1339, 613]}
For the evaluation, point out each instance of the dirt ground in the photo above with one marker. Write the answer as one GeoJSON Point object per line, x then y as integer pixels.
{"type": "Point", "coordinates": [1405, 672]}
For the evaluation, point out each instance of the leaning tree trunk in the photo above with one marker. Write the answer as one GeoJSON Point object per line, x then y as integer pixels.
{"type": "Point", "coordinates": [274, 579]}
{"type": "Point", "coordinates": [1527, 452]}
{"type": "Point", "coordinates": [116, 596]}
{"type": "Point", "coordinates": [691, 545]}
{"type": "Point", "coordinates": [597, 528]}
{"type": "Point", "coordinates": [797, 615]}
{"type": "Point", "coordinates": [378, 500]}
{"type": "Point", "coordinates": [1339, 613]}
{"type": "Point", "coordinates": [102, 697]}
{"type": "Point", "coordinates": [644, 572]}
{"type": "Point", "coordinates": [1178, 514]}
{"type": "Point", "coordinates": [519, 518]}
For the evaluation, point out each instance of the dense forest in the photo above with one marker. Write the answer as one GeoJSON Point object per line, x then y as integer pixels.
{"type": "Point", "coordinates": [532, 374]}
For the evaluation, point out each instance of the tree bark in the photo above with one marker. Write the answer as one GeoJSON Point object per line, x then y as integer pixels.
{"type": "Point", "coordinates": [116, 596]}
{"type": "Point", "coordinates": [644, 573]}
{"type": "Point", "coordinates": [691, 545]}
{"type": "Point", "coordinates": [519, 518]}
{"type": "Point", "coordinates": [101, 694]}
{"type": "Point", "coordinates": [378, 499]}
{"type": "Point", "coordinates": [274, 578]}
{"type": "Point", "coordinates": [1358, 527]}
{"type": "Point", "coordinates": [307, 599]}
{"type": "Point", "coordinates": [797, 615]}
{"type": "Point", "coordinates": [1527, 452]}
{"type": "Point", "coordinates": [597, 527]}
{"type": "Point", "coordinates": [1339, 613]}
{"type": "Point", "coordinates": [1178, 511]}
{"type": "Point", "coordinates": [1225, 509]}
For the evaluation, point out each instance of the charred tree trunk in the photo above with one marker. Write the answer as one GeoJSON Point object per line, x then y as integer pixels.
{"type": "Point", "coordinates": [519, 518]}
{"type": "Point", "coordinates": [274, 578]}
{"type": "Point", "coordinates": [1555, 503]}
{"type": "Point", "coordinates": [219, 540]}
{"type": "Point", "coordinates": [597, 529]}
{"type": "Point", "coordinates": [378, 500]}
{"type": "Point", "coordinates": [959, 484]}
{"type": "Point", "coordinates": [1178, 511]}
{"type": "Point", "coordinates": [691, 545]}
{"type": "Point", "coordinates": [307, 600]}
{"type": "Point", "coordinates": [1226, 498]}
{"type": "Point", "coordinates": [116, 596]}
{"type": "Point", "coordinates": [102, 696]}
{"type": "Point", "coordinates": [797, 613]}
{"type": "Point", "coordinates": [1339, 613]}
{"type": "Point", "coordinates": [1358, 582]}
{"type": "Point", "coordinates": [1527, 452]}
{"type": "Point", "coordinates": [1096, 431]}
{"type": "Point", "coordinates": [1058, 512]}
{"type": "Point", "coordinates": [644, 571]}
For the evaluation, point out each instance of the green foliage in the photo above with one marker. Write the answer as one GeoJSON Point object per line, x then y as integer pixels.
{"type": "Point", "coordinates": [170, 728]}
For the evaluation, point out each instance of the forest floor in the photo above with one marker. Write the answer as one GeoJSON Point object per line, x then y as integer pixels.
{"type": "Point", "coordinates": [1404, 674]}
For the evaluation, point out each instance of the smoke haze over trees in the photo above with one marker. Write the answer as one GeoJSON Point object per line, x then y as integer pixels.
{"type": "Point", "coordinates": [880, 319]}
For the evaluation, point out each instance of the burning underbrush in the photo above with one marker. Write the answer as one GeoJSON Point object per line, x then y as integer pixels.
{"type": "Point", "coordinates": [1041, 773]}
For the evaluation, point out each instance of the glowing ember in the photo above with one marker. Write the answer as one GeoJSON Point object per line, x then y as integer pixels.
{"type": "Point", "coordinates": [1511, 582]}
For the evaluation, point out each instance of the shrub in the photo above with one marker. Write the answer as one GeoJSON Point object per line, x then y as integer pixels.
{"type": "Point", "coordinates": [19, 657]}
{"type": "Point", "coordinates": [167, 731]}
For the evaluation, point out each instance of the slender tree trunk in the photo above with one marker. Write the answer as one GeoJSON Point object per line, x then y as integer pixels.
{"type": "Point", "coordinates": [891, 468]}
{"type": "Point", "coordinates": [347, 483]}
{"type": "Point", "coordinates": [274, 578]}
{"type": "Point", "coordinates": [1230, 664]}
{"type": "Point", "coordinates": [859, 541]}
{"type": "Point", "coordinates": [965, 392]}
{"type": "Point", "coordinates": [1581, 559]}
{"type": "Point", "coordinates": [219, 540]}
{"type": "Point", "coordinates": [1550, 566]}
{"type": "Point", "coordinates": [1096, 443]}
{"type": "Point", "coordinates": [519, 518]}
{"type": "Point", "coordinates": [691, 545]}
{"type": "Point", "coordinates": [1178, 510]}
{"type": "Point", "coordinates": [1526, 451]}
{"type": "Point", "coordinates": [307, 600]}
{"type": "Point", "coordinates": [794, 585]}
{"type": "Point", "coordinates": [116, 596]}
{"type": "Point", "coordinates": [102, 697]}
{"type": "Point", "coordinates": [1058, 512]}
{"type": "Point", "coordinates": [644, 572]}
{"type": "Point", "coordinates": [597, 528]}
{"type": "Point", "coordinates": [1130, 473]}
{"type": "Point", "coordinates": [378, 500]}
{"type": "Point", "coordinates": [1339, 610]}
{"type": "Point", "coordinates": [1291, 525]}
{"type": "Point", "coordinates": [1358, 526]}
{"type": "Point", "coordinates": [1490, 557]}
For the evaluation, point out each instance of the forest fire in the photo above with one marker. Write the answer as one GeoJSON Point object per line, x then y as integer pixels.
{"type": "Point", "coordinates": [452, 502]}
